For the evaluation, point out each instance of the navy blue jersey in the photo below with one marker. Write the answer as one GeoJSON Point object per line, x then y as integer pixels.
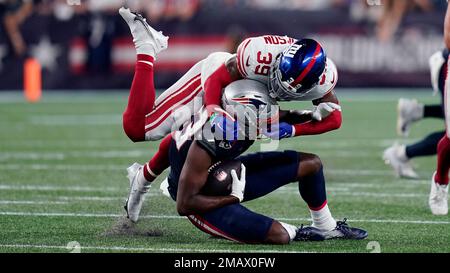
{"type": "Point", "coordinates": [219, 150]}
{"type": "Point", "coordinates": [266, 172]}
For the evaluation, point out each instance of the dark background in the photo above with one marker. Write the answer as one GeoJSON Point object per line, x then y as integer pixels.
{"type": "Point", "coordinates": [89, 47]}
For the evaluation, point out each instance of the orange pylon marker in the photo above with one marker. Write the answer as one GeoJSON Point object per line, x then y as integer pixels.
{"type": "Point", "coordinates": [32, 80]}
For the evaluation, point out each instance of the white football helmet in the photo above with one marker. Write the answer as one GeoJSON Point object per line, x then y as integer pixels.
{"type": "Point", "coordinates": [248, 102]}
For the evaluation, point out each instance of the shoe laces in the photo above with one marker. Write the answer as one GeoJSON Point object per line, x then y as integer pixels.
{"type": "Point", "coordinates": [301, 227]}
{"type": "Point", "coordinates": [342, 225]}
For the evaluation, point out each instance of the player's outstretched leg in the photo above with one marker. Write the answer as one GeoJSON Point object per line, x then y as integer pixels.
{"type": "Point", "coordinates": [408, 112]}
{"type": "Point", "coordinates": [312, 189]}
{"type": "Point", "coordinates": [396, 157]}
{"type": "Point", "coordinates": [438, 199]}
{"type": "Point", "coordinates": [237, 223]}
{"type": "Point", "coordinates": [399, 156]}
{"type": "Point", "coordinates": [147, 40]}
{"type": "Point", "coordinates": [141, 177]}
{"type": "Point", "coordinates": [148, 43]}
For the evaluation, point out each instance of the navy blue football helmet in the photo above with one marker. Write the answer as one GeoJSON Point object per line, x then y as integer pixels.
{"type": "Point", "coordinates": [297, 70]}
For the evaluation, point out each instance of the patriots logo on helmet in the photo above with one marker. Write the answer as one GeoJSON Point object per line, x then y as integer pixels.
{"type": "Point", "coordinates": [249, 101]}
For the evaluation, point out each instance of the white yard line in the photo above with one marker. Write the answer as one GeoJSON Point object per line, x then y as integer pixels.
{"type": "Point", "coordinates": [347, 190]}
{"type": "Point", "coordinates": [148, 249]}
{"type": "Point", "coordinates": [70, 200]}
{"type": "Point", "coordinates": [371, 194]}
{"type": "Point", "coordinates": [176, 217]}
{"type": "Point", "coordinates": [386, 171]}
{"type": "Point", "coordinates": [31, 202]}
{"type": "Point", "coordinates": [76, 120]}
{"type": "Point", "coordinates": [95, 198]}
{"type": "Point", "coordinates": [63, 167]}
{"type": "Point", "coordinates": [115, 167]}
{"type": "Point", "coordinates": [4, 156]}
{"type": "Point", "coordinates": [59, 188]}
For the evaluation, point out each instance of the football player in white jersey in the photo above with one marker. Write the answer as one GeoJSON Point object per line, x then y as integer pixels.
{"type": "Point", "coordinates": [292, 69]}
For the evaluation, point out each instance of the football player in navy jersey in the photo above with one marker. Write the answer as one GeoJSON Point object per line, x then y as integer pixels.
{"type": "Point", "coordinates": [192, 152]}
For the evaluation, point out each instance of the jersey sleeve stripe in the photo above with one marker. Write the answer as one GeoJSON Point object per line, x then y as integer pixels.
{"type": "Point", "coordinates": [240, 57]}
{"type": "Point", "coordinates": [335, 76]}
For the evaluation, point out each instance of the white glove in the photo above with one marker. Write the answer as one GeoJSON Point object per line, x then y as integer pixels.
{"type": "Point", "coordinates": [238, 186]}
{"type": "Point", "coordinates": [324, 109]}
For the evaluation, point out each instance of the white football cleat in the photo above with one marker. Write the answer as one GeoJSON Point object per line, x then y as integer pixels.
{"type": "Point", "coordinates": [401, 165]}
{"type": "Point", "coordinates": [408, 111]}
{"type": "Point", "coordinates": [164, 187]}
{"type": "Point", "coordinates": [136, 197]}
{"type": "Point", "coordinates": [146, 39]}
{"type": "Point", "coordinates": [438, 200]}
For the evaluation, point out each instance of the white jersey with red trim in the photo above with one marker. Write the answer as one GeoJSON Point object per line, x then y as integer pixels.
{"type": "Point", "coordinates": [256, 57]}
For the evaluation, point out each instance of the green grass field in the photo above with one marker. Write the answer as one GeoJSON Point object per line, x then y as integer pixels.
{"type": "Point", "coordinates": [62, 179]}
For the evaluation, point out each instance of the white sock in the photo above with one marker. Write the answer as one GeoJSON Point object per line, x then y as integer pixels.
{"type": "Point", "coordinates": [291, 230]}
{"type": "Point", "coordinates": [143, 184]}
{"type": "Point", "coordinates": [421, 112]}
{"type": "Point", "coordinates": [146, 49]}
{"type": "Point", "coordinates": [401, 152]}
{"type": "Point", "coordinates": [322, 219]}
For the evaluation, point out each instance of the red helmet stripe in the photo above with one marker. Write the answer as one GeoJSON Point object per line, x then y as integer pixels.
{"type": "Point", "coordinates": [308, 68]}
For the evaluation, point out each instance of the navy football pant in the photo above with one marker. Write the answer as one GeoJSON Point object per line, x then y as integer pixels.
{"type": "Point", "coordinates": [266, 172]}
{"type": "Point", "coordinates": [428, 145]}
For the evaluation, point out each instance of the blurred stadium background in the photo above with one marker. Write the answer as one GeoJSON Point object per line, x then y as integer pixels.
{"type": "Point", "coordinates": [63, 160]}
{"type": "Point", "coordinates": [85, 45]}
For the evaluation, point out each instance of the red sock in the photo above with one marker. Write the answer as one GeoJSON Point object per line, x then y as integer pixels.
{"type": "Point", "coordinates": [160, 161]}
{"type": "Point", "coordinates": [443, 164]}
{"type": "Point", "coordinates": [141, 99]}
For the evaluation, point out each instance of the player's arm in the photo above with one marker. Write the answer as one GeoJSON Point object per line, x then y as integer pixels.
{"type": "Point", "coordinates": [219, 79]}
{"type": "Point", "coordinates": [192, 179]}
{"type": "Point", "coordinates": [326, 117]}
{"type": "Point", "coordinates": [295, 116]}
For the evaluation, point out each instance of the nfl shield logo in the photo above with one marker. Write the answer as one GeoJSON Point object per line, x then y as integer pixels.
{"type": "Point", "coordinates": [221, 175]}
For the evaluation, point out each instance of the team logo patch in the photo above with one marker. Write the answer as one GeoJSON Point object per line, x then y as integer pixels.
{"type": "Point", "coordinates": [249, 101]}
{"type": "Point", "coordinates": [221, 175]}
{"type": "Point", "coordinates": [225, 145]}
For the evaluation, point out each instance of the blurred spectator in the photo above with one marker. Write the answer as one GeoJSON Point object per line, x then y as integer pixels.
{"type": "Point", "coordinates": [169, 9]}
{"type": "Point", "coordinates": [12, 14]}
{"type": "Point", "coordinates": [99, 33]}
{"type": "Point", "coordinates": [297, 4]}
{"type": "Point", "coordinates": [393, 13]}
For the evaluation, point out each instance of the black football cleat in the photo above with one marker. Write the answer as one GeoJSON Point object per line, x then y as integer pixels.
{"type": "Point", "coordinates": [344, 231]}
{"type": "Point", "coordinates": [309, 234]}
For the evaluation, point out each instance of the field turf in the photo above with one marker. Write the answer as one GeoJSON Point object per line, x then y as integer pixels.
{"type": "Point", "coordinates": [63, 184]}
